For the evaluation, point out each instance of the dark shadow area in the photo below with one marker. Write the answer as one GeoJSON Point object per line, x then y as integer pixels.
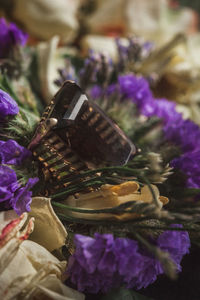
{"type": "Point", "coordinates": [186, 287]}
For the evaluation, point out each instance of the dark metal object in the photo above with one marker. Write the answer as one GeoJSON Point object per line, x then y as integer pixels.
{"type": "Point", "coordinates": [75, 135]}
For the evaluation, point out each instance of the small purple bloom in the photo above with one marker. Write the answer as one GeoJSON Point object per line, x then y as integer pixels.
{"type": "Point", "coordinates": [22, 199]}
{"type": "Point", "coordinates": [184, 133]}
{"type": "Point", "coordinates": [12, 193]}
{"type": "Point", "coordinates": [104, 262]}
{"type": "Point", "coordinates": [136, 88]}
{"type": "Point", "coordinates": [189, 163]}
{"type": "Point", "coordinates": [7, 105]}
{"type": "Point", "coordinates": [111, 89]}
{"type": "Point", "coordinates": [138, 270]}
{"type": "Point", "coordinates": [147, 275]}
{"type": "Point", "coordinates": [96, 92]}
{"type": "Point", "coordinates": [8, 183]}
{"type": "Point", "coordinates": [85, 250]}
{"type": "Point", "coordinates": [12, 153]}
{"type": "Point", "coordinates": [176, 243]}
{"type": "Point", "coordinates": [166, 110]}
{"type": "Point", "coordinates": [93, 266]}
{"type": "Point", "coordinates": [10, 36]}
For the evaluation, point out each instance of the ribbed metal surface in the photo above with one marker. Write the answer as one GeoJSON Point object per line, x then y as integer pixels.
{"type": "Point", "coordinates": [75, 134]}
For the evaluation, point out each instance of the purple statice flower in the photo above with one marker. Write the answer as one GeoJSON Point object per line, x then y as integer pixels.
{"type": "Point", "coordinates": [165, 110]}
{"type": "Point", "coordinates": [8, 183]}
{"type": "Point", "coordinates": [135, 88]}
{"type": "Point", "coordinates": [97, 67]}
{"type": "Point", "coordinates": [12, 193]}
{"type": "Point", "coordinates": [122, 52]}
{"type": "Point", "coordinates": [91, 67]}
{"type": "Point", "coordinates": [104, 262]}
{"type": "Point", "coordinates": [137, 270]}
{"type": "Point", "coordinates": [95, 92]}
{"type": "Point", "coordinates": [134, 50]}
{"type": "Point", "coordinates": [22, 198]}
{"type": "Point", "coordinates": [111, 89]}
{"type": "Point", "coordinates": [189, 163]}
{"type": "Point", "coordinates": [183, 133]}
{"type": "Point", "coordinates": [67, 73]}
{"type": "Point", "coordinates": [10, 36]}
{"type": "Point", "coordinates": [93, 258]}
{"type": "Point", "coordinates": [12, 153]}
{"type": "Point", "coordinates": [8, 106]}
{"type": "Point", "coordinates": [176, 243]}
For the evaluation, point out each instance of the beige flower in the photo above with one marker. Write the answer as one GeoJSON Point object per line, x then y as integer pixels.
{"type": "Point", "coordinates": [28, 270]}
{"type": "Point", "coordinates": [109, 196]}
{"type": "Point", "coordinates": [44, 18]}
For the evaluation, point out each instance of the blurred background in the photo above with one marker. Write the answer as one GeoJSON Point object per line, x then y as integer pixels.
{"type": "Point", "coordinates": [73, 19]}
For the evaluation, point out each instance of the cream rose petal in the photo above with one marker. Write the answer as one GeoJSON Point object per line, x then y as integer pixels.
{"type": "Point", "coordinates": [48, 231]}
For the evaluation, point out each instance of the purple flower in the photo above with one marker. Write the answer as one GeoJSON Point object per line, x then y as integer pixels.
{"type": "Point", "coordinates": [93, 266]}
{"type": "Point", "coordinates": [12, 153]}
{"type": "Point", "coordinates": [8, 183]}
{"type": "Point", "coordinates": [7, 105]}
{"type": "Point", "coordinates": [176, 243]}
{"type": "Point", "coordinates": [189, 163]}
{"type": "Point", "coordinates": [183, 133]}
{"type": "Point", "coordinates": [135, 88]}
{"type": "Point", "coordinates": [12, 193]}
{"type": "Point", "coordinates": [93, 258]}
{"type": "Point", "coordinates": [86, 247]}
{"type": "Point", "coordinates": [147, 275]}
{"type": "Point", "coordinates": [129, 258]}
{"type": "Point", "coordinates": [10, 36]}
{"type": "Point", "coordinates": [166, 110]}
{"type": "Point", "coordinates": [112, 88]}
{"type": "Point", "coordinates": [22, 198]}
{"type": "Point", "coordinates": [137, 269]}
{"type": "Point", "coordinates": [96, 92]}
{"type": "Point", "coordinates": [104, 262]}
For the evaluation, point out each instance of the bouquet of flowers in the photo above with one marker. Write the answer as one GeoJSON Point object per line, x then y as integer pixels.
{"type": "Point", "coordinates": [109, 173]}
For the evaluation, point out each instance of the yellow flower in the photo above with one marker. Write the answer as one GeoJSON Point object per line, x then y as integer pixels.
{"type": "Point", "coordinates": [109, 196]}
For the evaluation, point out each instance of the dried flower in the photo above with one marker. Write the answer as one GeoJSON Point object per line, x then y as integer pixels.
{"type": "Point", "coordinates": [12, 153]}
{"type": "Point", "coordinates": [15, 195]}
{"type": "Point", "coordinates": [109, 196]}
{"type": "Point", "coordinates": [8, 106]}
{"type": "Point", "coordinates": [189, 164]}
{"type": "Point", "coordinates": [105, 262]}
{"type": "Point", "coordinates": [93, 267]}
{"type": "Point", "coordinates": [22, 199]}
{"type": "Point", "coordinates": [27, 269]}
{"type": "Point", "coordinates": [8, 183]}
{"type": "Point", "coordinates": [96, 92]}
{"type": "Point", "coordinates": [10, 36]}
{"type": "Point", "coordinates": [176, 243]}
{"type": "Point", "coordinates": [135, 88]}
{"type": "Point", "coordinates": [183, 133]}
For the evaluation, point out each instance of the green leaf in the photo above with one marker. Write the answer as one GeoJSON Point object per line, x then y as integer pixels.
{"type": "Point", "coordinates": [124, 294]}
{"type": "Point", "coordinates": [5, 85]}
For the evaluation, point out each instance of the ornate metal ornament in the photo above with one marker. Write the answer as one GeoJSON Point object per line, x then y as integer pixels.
{"type": "Point", "coordinates": [75, 135]}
